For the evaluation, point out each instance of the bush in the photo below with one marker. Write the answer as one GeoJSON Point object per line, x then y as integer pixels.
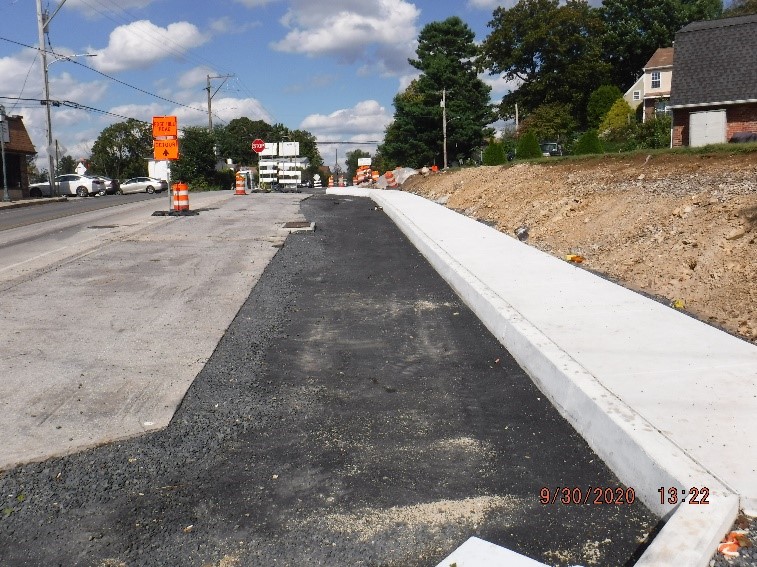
{"type": "Point", "coordinates": [528, 146]}
{"type": "Point", "coordinates": [588, 143]}
{"type": "Point", "coordinates": [654, 133]}
{"type": "Point", "coordinates": [494, 154]}
{"type": "Point", "coordinates": [617, 121]}
{"type": "Point", "coordinates": [600, 103]}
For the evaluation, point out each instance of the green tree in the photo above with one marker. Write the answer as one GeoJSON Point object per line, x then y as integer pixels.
{"type": "Point", "coordinates": [197, 160]}
{"type": "Point", "coordinates": [553, 51]}
{"type": "Point", "coordinates": [234, 141]}
{"type": "Point", "coordinates": [445, 56]}
{"type": "Point", "coordinates": [740, 8]}
{"type": "Point", "coordinates": [588, 143]}
{"type": "Point", "coordinates": [635, 29]}
{"type": "Point", "coordinates": [494, 153]}
{"type": "Point", "coordinates": [121, 149]}
{"type": "Point", "coordinates": [66, 164]}
{"type": "Point", "coordinates": [617, 120]}
{"type": "Point", "coordinates": [600, 103]}
{"type": "Point", "coordinates": [352, 159]}
{"type": "Point", "coordinates": [528, 146]}
{"type": "Point", "coordinates": [550, 122]}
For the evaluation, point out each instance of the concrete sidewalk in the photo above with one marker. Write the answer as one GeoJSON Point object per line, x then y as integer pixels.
{"type": "Point", "coordinates": [667, 401]}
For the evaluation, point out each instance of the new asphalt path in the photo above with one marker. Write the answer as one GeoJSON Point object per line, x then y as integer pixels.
{"type": "Point", "coordinates": [355, 412]}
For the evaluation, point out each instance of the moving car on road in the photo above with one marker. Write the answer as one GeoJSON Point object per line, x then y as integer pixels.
{"type": "Point", "coordinates": [143, 184]}
{"type": "Point", "coordinates": [69, 184]}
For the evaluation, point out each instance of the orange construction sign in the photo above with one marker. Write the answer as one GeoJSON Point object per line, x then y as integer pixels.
{"type": "Point", "coordinates": [165, 149]}
{"type": "Point", "coordinates": [164, 127]}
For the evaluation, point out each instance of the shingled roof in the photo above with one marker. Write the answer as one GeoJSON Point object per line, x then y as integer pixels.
{"type": "Point", "coordinates": [663, 57]}
{"type": "Point", "coordinates": [19, 138]}
{"type": "Point", "coordinates": [715, 62]}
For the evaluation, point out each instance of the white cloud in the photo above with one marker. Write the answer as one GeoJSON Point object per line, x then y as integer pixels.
{"type": "Point", "coordinates": [500, 87]}
{"type": "Point", "coordinates": [490, 4]}
{"type": "Point", "coordinates": [378, 33]}
{"type": "Point", "coordinates": [139, 44]}
{"type": "Point", "coordinates": [227, 25]}
{"type": "Point", "coordinates": [224, 110]}
{"type": "Point", "coordinates": [364, 122]}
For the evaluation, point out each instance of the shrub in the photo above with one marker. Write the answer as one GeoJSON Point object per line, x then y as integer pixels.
{"type": "Point", "coordinates": [617, 121]}
{"type": "Point", "coordinates": [494, 154]}
{"type": "Point", "coordinates": [588, 143]}
{"type": "Point", "coordinates": [600, 103]}
{"type": "Point", "coordinates": [528, 146]}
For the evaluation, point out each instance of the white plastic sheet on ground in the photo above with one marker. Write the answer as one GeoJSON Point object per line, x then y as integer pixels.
{"type": "Point", "coordinates": [401, 174]}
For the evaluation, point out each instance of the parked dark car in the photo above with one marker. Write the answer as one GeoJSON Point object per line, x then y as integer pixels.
{"type": "Point", "coordinates": [551, 149]}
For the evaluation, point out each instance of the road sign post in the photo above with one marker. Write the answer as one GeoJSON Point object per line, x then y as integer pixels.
{"type": "Point", "coordinates": [258, 146]}
{"type": "Point", "coordinates": [165, 144]}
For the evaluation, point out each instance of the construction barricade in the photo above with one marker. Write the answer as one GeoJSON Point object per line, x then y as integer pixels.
{"type": "Point", "coordinates": [241, 181]}
{"type": "Point", "coordinates": [391, 182]}
{"type": "Point", "coordinates": [180, 197]}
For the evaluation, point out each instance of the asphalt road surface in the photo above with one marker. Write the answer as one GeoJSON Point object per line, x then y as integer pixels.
{"type": "Point", "coordinates": [25, 216]}
{"type": "Point", "coordinates": [355, 413]}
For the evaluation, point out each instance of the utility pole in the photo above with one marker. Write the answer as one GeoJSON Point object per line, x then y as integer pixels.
{"type": "Point", "coordinates": [444, 124]}
{"type": "Point", "coordinates": [6, 197]}
{"type": "Point", "coordinates": [210, 96]}
{"type": "Point", "coordinates": [42, 22]}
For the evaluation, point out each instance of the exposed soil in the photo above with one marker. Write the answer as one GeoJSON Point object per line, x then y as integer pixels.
{"type": "Point", "coordinates": [681, 227]}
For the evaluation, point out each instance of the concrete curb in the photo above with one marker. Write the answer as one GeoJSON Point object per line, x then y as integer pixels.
{"type": "Point", "coordinates": [641, 456]}
{"type": "Point", "coordinates": [31, 202]}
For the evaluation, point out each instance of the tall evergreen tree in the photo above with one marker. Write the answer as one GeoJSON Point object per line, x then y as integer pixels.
{"type": "Point", "coordinates": [445, 55]}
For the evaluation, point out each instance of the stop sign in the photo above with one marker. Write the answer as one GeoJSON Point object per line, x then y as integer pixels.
{"type": "Point", "coordinates": [258, 145]}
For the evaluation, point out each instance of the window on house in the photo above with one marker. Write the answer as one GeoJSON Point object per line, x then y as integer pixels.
{"type": "Point", "coordinates": [655, 79]}
{"type": "Point", "coordinates": [661, 107]}
{"type": "Point", "coordinates": [637, 95]}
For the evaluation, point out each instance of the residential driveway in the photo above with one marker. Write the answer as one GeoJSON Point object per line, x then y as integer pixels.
{"type": "Point", "coordinates": [354, 413]}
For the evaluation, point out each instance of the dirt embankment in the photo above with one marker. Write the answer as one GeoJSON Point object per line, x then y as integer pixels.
{"type": "Point", "coordinates": [680, 227]}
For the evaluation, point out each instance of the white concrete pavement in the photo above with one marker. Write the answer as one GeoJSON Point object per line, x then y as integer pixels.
{"type": "Point", "coordinates": [109, 316]}
{"type": "Point", "coordinates": [668, 402]}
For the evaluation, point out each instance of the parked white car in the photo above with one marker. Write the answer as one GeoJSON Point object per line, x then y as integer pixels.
{"type": "Point", "coordinates": [143, 185]}
{"type": "Point", "coordinates": [69, 184]}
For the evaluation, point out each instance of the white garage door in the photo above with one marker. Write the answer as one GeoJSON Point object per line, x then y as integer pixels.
{"type": "Point", "coordinates": [707, 128]}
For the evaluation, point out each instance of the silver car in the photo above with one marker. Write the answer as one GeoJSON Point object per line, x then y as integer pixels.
{"type": "Point", "coordinates": [143, 185]}
{"type": "Point", "coordinates": [69, 184]}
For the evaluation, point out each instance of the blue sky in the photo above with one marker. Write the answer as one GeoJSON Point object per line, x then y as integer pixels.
{"type": "Point", "coordinates": [328, 66]}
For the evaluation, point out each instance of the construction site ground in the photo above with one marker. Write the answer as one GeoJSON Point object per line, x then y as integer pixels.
{"type": "Point", "coordinates": [678, 226]}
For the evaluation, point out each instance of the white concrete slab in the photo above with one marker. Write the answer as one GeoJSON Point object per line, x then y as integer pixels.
{"type": "Point", "coordinates": [476, 552]}
{"type": "Point", "coordinates": [664, 399]}
{"type": "Point", "coordinates": [108, 322]}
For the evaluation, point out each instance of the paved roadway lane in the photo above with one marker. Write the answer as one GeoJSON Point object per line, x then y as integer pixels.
{"type": "Point", "coordinates": [354, 413]}
{"type": "Point", "coordinates": [23, 216]}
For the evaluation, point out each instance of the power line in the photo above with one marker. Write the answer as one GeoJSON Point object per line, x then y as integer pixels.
{"type": "Point", "coordinates": [110, 77]}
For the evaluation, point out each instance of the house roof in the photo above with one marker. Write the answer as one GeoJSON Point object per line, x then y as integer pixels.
{"type": "Point", "coordinates": [663, 57]}
{"type": "Point", "coordinates": [20, 142]}
{"type": "Point", "coordinates": [715, 63]}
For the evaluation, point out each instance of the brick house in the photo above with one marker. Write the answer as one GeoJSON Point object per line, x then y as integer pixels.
{"type": "Point", "coordinates": [17, 149]}
{"type": "Point", "coordinates": [714, 89]}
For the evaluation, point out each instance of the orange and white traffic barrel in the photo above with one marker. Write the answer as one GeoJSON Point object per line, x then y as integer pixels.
{"type": "Point", "coordinates": [180, 197]}
{"type": "Point", "coordinates": [240, 185]}
{"type": "Point", "coordinates": [331, 181]}
{"type": "Point", "coordinates": [391, 181]}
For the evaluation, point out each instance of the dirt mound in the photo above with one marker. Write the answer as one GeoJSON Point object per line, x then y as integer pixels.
{"type": "Point", "coordinates": [681, 227]}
